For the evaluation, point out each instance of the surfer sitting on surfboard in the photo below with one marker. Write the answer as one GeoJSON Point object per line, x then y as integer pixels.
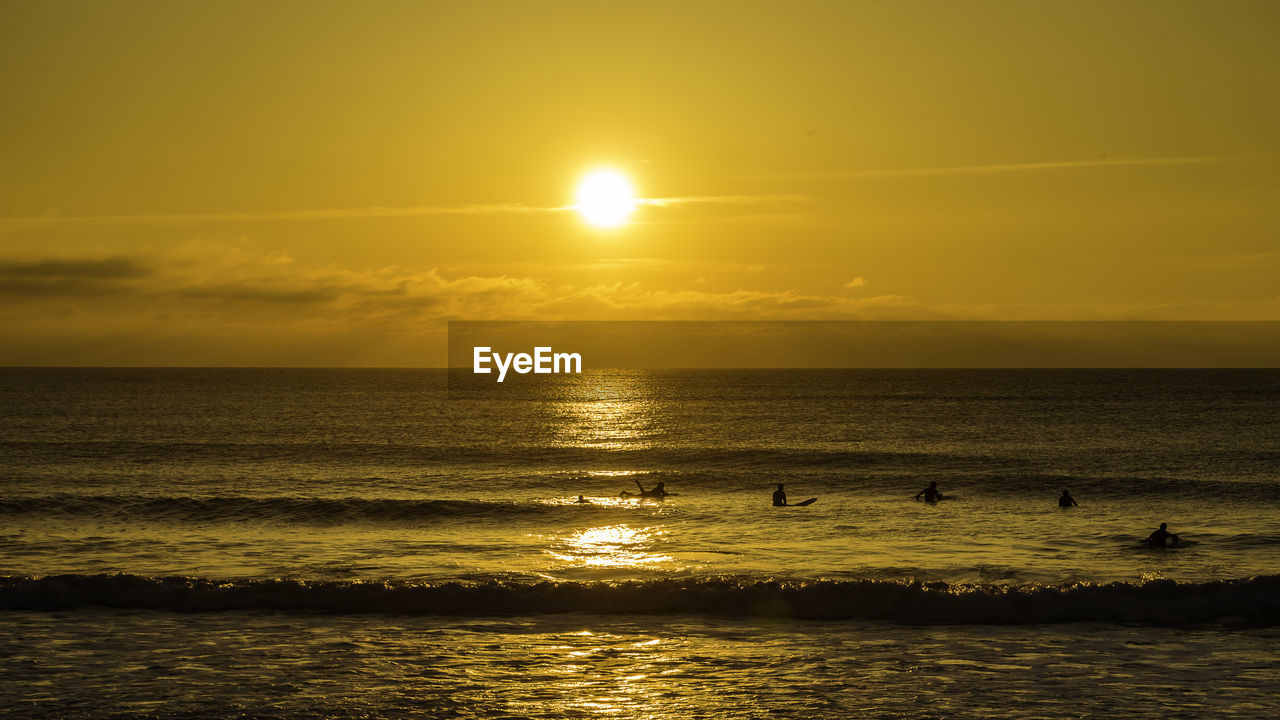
{"type": "Point", "coordinates": [1067, 501]}
{"type": "Point", "coordinates": [930, 493]}
{"type": "Point", "coordinates": [779, 497]}
{"type": "Point", "coordinates": [1161, 536]}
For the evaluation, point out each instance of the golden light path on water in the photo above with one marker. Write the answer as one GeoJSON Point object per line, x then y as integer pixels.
{"type": "Point", "coordinates": [627, 693]}
{"type": "Point", "coordinates": [611, 546]}
{"type": "Point", "coordinates": [620, 414]}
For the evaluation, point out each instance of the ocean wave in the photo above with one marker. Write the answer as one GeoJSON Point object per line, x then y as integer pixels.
{"type": "Point", "coordinates": [321, 511]}
{"type": "Point", "coordinates": [1253, 601]}
{"type": "Point", "coordinates": [470, 453]}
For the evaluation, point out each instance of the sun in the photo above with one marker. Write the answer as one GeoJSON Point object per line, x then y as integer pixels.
{"type": "Point", "coordinates": [605, 198]}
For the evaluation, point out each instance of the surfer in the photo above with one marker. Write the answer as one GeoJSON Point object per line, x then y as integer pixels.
{"type": "Point", "coordinates": [930, 493]}
{"type": "Point", "coordinates": [1067, 501]}
{"type": "Point", "coordinates": [780, 499]}
{"type": "Point", "coordinates": [1160, 537]}
{"type": "Point", "coordinates": [658, 491]}
{"type": "Point", "coordinates": [582, 500]}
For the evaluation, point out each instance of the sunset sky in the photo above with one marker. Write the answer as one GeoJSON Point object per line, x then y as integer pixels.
{"type": "Point", "coordinates": [327, 183]}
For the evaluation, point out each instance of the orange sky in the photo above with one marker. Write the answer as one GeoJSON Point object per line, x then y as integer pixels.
{"type": "Point", "coordinates": [327, 183]}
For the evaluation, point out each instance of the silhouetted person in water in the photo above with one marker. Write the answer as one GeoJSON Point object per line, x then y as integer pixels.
{"type": "Point", "coordinates": [1160, 537]}
{"type": "Point", "coordinates": [582, 500]}
{"type": "Point", "coordinates": [930, 493]}
{"type": "Point", "coordinates": [659, 491]}
{"type": "Point", "coordinates": [1067, 501]}
{"type": "Point", "coordinates": [779, 497]}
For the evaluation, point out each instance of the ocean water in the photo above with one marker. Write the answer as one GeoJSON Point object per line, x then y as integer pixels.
{"type": "Point", "coordinates": [285, 543]}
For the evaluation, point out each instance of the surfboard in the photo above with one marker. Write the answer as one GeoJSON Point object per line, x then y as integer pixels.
{"type": "Point", "coordinates": [802, 503]}
{"type": "Point", "coordinates": [1172, 544]}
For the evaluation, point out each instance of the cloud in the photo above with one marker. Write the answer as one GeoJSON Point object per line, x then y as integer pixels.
{"type": "Point", "coordinates": [231, 304]}
{"type": "Point", "coordinates": [286, 215]}
{"type": "Point", "coordinates": [210, 285]}
{"type": "Point", "coordinates": [61, 277]}
{"type": "Point", "coordinates": [378, 212]}
{"type": "Point", "coordinates": [252, 293]}
{"type": "Point", "coordinates": [637, 302]}
{"type": "Point", "coordinates": [106, 269]}
{"type": "Point", "coordinates": [726, 200]}
{"type": "Point", "coordinates": [231, 284]}
{"type": "Point", "coordinates": [994, 169]}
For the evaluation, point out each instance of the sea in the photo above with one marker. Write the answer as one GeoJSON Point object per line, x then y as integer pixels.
{"type": "Point", "coordinates": [381, 543]}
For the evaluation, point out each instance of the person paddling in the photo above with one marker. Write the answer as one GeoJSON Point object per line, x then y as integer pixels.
{"type": "Point", "coordinates": [658, 491]}
{"type": "Point", "coordinates": [1161, 537]}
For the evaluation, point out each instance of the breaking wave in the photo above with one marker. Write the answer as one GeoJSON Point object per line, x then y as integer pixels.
{"type": "Point", "coordinates": [1252, 601]}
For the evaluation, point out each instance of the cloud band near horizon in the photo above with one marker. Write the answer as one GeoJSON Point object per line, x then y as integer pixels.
{"type": "Point", "coordinates": [520, 209]}
{"type": "Point", "coordinates": [993, 169]}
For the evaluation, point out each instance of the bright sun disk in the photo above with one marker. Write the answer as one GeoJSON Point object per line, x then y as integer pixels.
{"type": "Point", "coordinates": [605, 198]}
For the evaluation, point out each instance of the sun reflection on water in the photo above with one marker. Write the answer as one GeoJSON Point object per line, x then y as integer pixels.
{"type": "Point", "coordinates": [609, 675]}
{"type": "Point", "coordinates": [612, 546]}
{"type": "Point", "coordinates": [614, 411]}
